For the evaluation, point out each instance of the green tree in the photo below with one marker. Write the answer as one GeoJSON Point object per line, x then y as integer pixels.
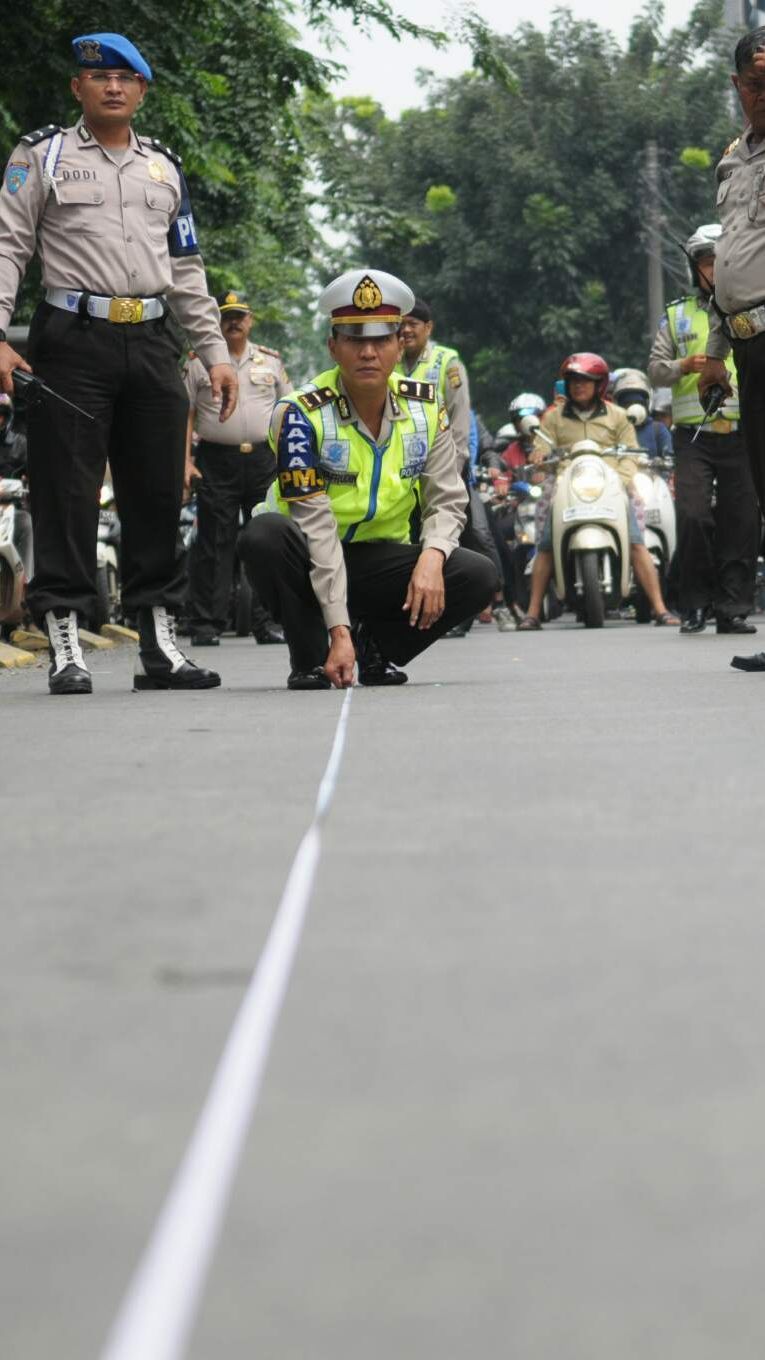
{"type": "Point", "coordinates": [536, 244]}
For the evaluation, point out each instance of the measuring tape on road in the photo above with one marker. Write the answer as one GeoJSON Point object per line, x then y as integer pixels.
{"type": "Point", "coordinates": [156, 1316]}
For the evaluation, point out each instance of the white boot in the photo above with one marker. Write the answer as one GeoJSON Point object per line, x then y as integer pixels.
{"type": "Point", "coordinates": [67, 673]}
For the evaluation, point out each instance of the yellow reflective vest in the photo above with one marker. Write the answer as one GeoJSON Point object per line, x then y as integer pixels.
{"type": "Point", "coordinates": [373, 489]}
{"type": "Point", "coordinates": [689, 328]}
{"type": "Point", "coordinates": [431, 367]}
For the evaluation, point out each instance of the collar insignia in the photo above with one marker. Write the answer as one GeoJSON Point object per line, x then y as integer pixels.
{"type": "Point", "coordinates": [343, 407]}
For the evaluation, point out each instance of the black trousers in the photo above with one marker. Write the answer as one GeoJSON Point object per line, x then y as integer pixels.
{"type": "Point", "coordinates": [275, 553]}
{"type": "Point", "coordinates": [127, 377]}
{"type": "Point", "coordinates": [749, 356]}
{"type": "Point", "coordinates": [716, 548]}
{"type": "Point", "coordinates": [231, 481]}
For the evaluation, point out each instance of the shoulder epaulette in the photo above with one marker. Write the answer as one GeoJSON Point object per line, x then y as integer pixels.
{"type": "Point", "coordinates": [421, 391]}
{"type": "Point", "coordinates": [41, 134]}
{"type": "Point", "coordinates": [265, 350]}
{"type": "Point", "coordinates": [157, 145]}
{"type": "Point", "coordinates": [730, 149]}
{"type": "Point", "coordinates": [314, 400]}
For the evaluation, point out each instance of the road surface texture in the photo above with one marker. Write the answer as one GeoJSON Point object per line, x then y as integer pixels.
{"type": "Point", "coordinates": [515, 1105]}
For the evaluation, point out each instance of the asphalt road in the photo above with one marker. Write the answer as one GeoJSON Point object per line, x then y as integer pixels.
{"type": "Point", "coordinates": [516, 1102]}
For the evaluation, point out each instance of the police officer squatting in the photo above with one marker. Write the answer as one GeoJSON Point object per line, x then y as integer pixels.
{"type": "Point", "coordinates": [109, 215]}
{"type": "Point", "coordinates": [356, 549]}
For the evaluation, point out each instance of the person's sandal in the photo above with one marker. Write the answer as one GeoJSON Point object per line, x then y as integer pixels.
{"type": "Point", "coordinates": [529, 624]}
{"type": "Point", "coordinates": [666, 619]}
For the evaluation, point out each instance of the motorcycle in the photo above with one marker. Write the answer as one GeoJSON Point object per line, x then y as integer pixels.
{"type": "Point", "coordinates": [108, 608]}
{"type": "Point", "coordinates": [13, 569]}
{"type": "Point", "coordinates": [590, 533]}
{"type": "Point", "coordinates": [650, 483]}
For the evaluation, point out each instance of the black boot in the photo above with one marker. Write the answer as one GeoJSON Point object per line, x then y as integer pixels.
{"type": "Point", "coordinates": [738, 624]}
{"type": "Point", "coordinates": [374, 669]}
{"type": "Point", "coordinates": [695, 621]}
{"type": "Point", "coordinates": [67, 673]}
{"type": "Point", "coordinates": [268, 632]}
{"type": "Point", "coordinates": [314, 679]}
{"type": "Point", "coordinates": [160, 664]}
{"type": "Point", "coordinates": [756, 662]}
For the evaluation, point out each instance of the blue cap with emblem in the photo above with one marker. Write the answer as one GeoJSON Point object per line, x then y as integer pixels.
{"type": "Point", "coordinates": [109, 51]}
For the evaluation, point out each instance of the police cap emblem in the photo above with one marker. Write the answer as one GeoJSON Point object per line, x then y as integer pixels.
{"type": "Point", "coordinates": [367, 296]}
{"type": "Point", "coordinates": [89, 49]}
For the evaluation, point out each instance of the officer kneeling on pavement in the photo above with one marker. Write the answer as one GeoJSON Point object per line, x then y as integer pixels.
{"type": "Point", "coordinates": [110, 215]}
{"type": "Point", "coordinates": [366, 467]}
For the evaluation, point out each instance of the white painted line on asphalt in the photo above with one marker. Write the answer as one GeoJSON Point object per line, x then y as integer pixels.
{"type": "Point", "coordinates": [156, 1316]}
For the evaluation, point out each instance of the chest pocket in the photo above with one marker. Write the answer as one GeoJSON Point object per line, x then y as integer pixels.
{"type": "Point", "coordinates": [756, 209]}
{"type": "Point", "coordinates": [160, 204]}
{"type": "Point", "coordinates": [79, 206]}
{"type": "Point", "coordinates": [723, 190]}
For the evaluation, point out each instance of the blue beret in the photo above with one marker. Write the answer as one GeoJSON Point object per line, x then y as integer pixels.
{"type": "Point", "coordinates": [108, 51]}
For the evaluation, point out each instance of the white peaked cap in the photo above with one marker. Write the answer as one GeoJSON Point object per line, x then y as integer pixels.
{"type": "Point", "coordinates": [366, 302]}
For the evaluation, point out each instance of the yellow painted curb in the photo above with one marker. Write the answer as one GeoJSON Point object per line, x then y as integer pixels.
{"type": "Point", "coordinates": [118, 633]}
{"type": "Point", "coordinates": [14, 656]}
{"type": "Point", "coordinates": [31, 638]}
{"type": "Point", "coordinates": [98, 644]}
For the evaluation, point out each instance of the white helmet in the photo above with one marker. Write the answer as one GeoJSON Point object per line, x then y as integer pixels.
{"type": "Point", "coordinates": [508, 432]}
{"type": "Point", "coordinates": [527, 403]}
{"type": "Point", "coordinates": [702, 243]}
{"type": "Point", "coordinates": [631, 385]}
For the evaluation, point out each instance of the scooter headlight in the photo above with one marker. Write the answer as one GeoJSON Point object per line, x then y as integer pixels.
{"type": "Point", "coordinates": [588, 479]}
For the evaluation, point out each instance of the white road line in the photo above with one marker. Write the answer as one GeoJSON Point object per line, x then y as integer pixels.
{"type": "Point", "coordinates": [156, 1316]}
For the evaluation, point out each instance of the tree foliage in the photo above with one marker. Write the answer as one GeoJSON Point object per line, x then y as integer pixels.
{"type": "Point", "coordinates": [517, 207]}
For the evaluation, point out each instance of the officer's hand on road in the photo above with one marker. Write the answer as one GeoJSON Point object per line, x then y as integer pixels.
{"type": "Point", "coordinates": [712, 374]}
{"type": "Point", "coordinates": [225, 388]}
{"type": "Point", "coordinates": [693, 363]}
{"type": "Point", "coordinates": [341, 658]}
{"type": "Point", "coordinates": [425, 596]}
{"type": "Point", "coordinates": [9, 360]}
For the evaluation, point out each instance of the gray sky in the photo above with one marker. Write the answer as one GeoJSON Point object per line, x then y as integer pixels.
{"type": "Point", "coordinates": [386, 69]}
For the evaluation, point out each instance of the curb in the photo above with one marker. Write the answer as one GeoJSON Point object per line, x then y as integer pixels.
{"type": "Point", "coordinates": [11, 657]}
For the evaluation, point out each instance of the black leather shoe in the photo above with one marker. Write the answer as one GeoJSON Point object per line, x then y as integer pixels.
{"type": "Point", "coordinates": [739, 624]}
{"type": "Point", "coordinates": [67, 673]}
{"type": "Point", "coordinates": [161, 664]}
{"type": "Point", "coordinates": [268, 633]}
{"type": "Point", "coordinates": [756, 662]}
{"type": "Point", "coordinates": [459, 630]}
{"type": "Point", "coordinates": [695, 621]}
{"type": "Point", "coordinates": [204, 637]}
{"type": "Point", "coordinates": [315, 679]}
{"type": "Point", "coordinates": [374, 668]}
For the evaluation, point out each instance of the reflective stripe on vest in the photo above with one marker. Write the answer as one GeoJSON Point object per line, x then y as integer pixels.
{"type": "Point", "coordinates": [380, 502]}
{"type": "Point", "coordinates": [689, 327]}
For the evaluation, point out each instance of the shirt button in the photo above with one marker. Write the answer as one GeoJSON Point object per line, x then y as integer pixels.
{"type": "Point", "coordinates": [128, 238]}
{"type": "Point", "coordinates": [134, 272]}
{"type": "Point", "coordinates": [124, 202]}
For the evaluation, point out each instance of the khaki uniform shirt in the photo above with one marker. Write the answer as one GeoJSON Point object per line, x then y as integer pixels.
{"type": "Point", "coordinates": [104, 230]}
{"type": "Point", "coordinates": [607, 425]}
{"type": "Point", "coordinates": [262, 381]}
{"type": "Point", "coordinates": [456, 396]}
{"type": "Point", "coordinates": [444, 499]}
{"type": "Point", "coordinates": [740, 253]}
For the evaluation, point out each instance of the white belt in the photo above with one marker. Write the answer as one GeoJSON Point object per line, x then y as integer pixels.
{"type": "Point", "coordinates": [121, 310]}
{"type": "Point", "coordinates": [743, 325]}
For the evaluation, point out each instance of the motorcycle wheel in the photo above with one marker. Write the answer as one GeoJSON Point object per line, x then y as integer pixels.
{"type": "Point", "coordinates": [593, 610]}
{"type": "Point", "coordinates": [101, 611]}
{"type": "Point", "coordinates": [642, 607]}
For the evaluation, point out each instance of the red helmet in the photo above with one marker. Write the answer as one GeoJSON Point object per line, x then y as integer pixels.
{"type": "Point", "coordinates": [586, 366]}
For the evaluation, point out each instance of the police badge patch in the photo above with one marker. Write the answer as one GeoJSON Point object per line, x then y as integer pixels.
{"type": "Point", "coordinates": [415, 455]}
{"type": "Point", "coordinates": [16, 176]}
{"type": "Point", "coordinates": [336, 454]}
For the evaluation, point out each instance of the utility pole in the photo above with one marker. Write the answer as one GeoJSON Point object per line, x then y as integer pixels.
{"type": "Point", "coordinates": [653, 239]}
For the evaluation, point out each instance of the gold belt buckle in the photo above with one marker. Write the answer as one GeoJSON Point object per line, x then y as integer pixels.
{"type": "Point", "coordinates": [125, 310]}
{"type": "Point", "coordinates": [720, 425]}
{"type": "Point", "coordinates": [245, 448]}
{"type": "Point", "coordinates": [743, 326]}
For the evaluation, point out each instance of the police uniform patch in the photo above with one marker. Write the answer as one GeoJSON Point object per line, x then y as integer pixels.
{"type": "Point", "coordinates": [336, 453]}
{"type": "Point", "coordinates": [343, 407]}
{"type": "Point", "coordinates": [415, 455]}
{"type": "Point", "coordinates": [296, 457]}
{"type": "Point", "coordinates": [421, 391]}
{"type": "Point", "coordinates": [443, 418]}
{"type": "Point", "coordinates": [16, 176]}
{"type": "Point", "coordinates": [90, 49]}
{"type": "Point", "coordinates": [157, 172]}
{"type": "Point", "coordinates": [313, 401]}
{"type": "Point", "coordinates": [262, 375]}
{"type": "Point", "coordinates": [454, 376]}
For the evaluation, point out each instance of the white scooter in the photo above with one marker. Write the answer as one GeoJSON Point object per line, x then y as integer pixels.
{"type": "Point", "coordinates": [650, 483]}
{"type": "Point", "coordinates": [13, 570]}
{"type": "Point", "coordinates": [590, 533]}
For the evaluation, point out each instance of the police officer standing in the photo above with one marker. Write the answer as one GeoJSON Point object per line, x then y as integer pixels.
{"type": "Point", "coordinates": [363, 456]}
{"type": "Point", "coordinates": [425, 361]}
{"type": "Point", "coordinates": [110, 215]}
{"type": "Point", "coordinates": [716, 547]}
{"type": "Point", "coordinates": [236, 466]}
{"type": "Point", "coordinates": [739, 297]}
